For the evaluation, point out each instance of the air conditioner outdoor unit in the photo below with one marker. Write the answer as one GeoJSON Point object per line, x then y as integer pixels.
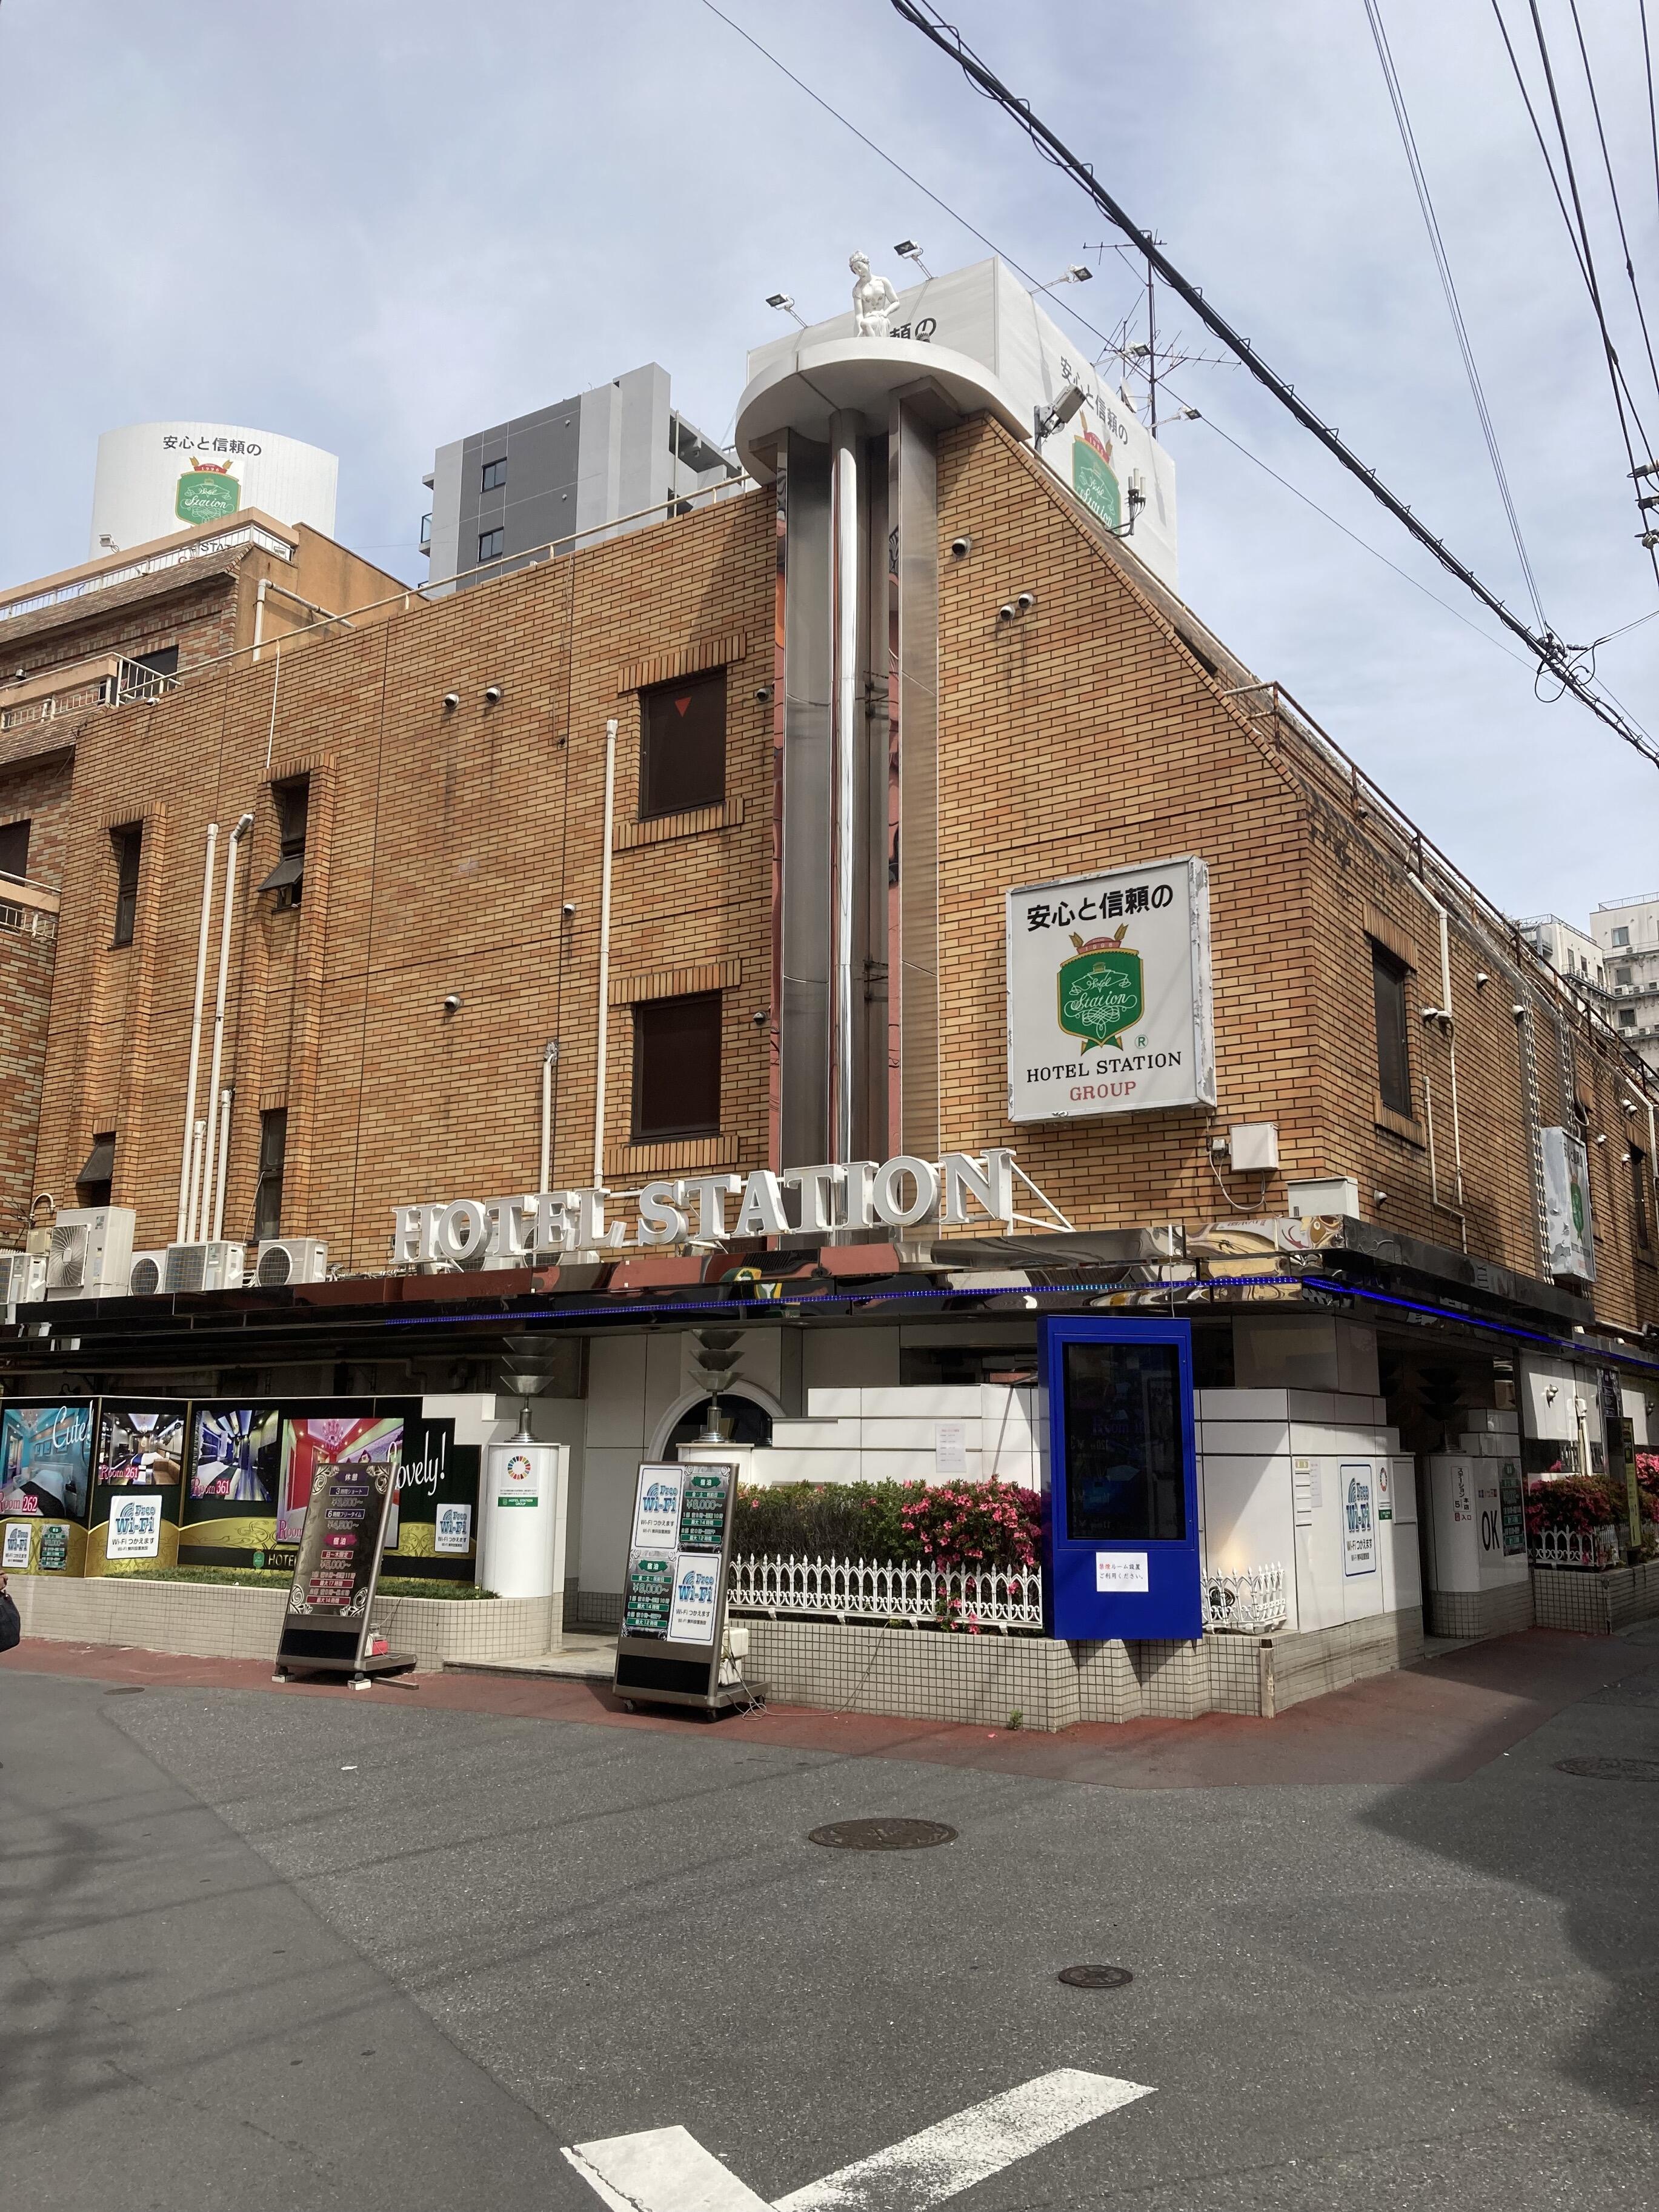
{"type": "Point", "coordinates": [22, 1278]}
{"type": "Point", "coordinates": [284, 1260]}
{"type": "Point", "coordinates": [147, 1274]}
{"type": "Point", "coordinates": [91, 1253]}
{"type": "Point", "coordinates": [214, 1266]}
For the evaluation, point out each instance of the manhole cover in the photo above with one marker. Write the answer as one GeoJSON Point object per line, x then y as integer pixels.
{"type": "Point", "coordinates": [882, 1835]}
{"type": "Point", "coordinates": [1095, 1978]}
{"type": "Point", "coordinates": [126, 1690]}
{"type": "Point", "coordinates": [1611, 1770]}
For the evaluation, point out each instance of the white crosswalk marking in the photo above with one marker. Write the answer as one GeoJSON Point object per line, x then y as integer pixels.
{"type": "Point", "coordinates": [661, 2169]}
{"type": "Point", "coordinates": [926, 2168]}
{"type": "Point", "coordinates": [668, 2170]}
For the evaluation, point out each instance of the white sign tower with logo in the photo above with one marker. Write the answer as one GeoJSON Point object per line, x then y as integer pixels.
{"type": "Point", "coordinates": [521, 1542]}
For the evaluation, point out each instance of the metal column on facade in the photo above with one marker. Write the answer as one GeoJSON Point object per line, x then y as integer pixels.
{"type": "Point", "coordinates": [912, 954]}
{"type": "Point", "coordinates": [802, 931]}
{"type": "Point", "coordinates": [848, 730]}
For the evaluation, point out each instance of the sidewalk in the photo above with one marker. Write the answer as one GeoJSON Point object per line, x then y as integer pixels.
{"type": "Point", "coordinates": [1439, 1722]}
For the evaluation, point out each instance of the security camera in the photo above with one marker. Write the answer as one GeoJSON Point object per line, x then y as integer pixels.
{"type": "Point", "coordinates": [1006, 611]}
{"type": "Point", "coordinates": [1481, 979]}
{"type": "Point", "coordinates": [761, 1016]}
{"type": "Point", "coordinates": [1379, 1198]}
{"type": "Point", "coordinates": [1026, 602]}
{"type": "Point", "coordinates": [453, 1003]}
{"type": "Point", "coordinates": [1518, 1011]}
{"type": "Point", "coordinates": [568, 908]}
{"type": "Point", "coordinates": [1601, 1138]}
{"type": "Point", "coordinates": [452, 700]}
{"type": "Point", "coordinates": [493, 694]}
{"type": "Point", "coordinates": [1628, 1104]}
{"type": "Point", "coordinates": [961, 548]}
{"type": "Point", "coordinates": [763, 695]}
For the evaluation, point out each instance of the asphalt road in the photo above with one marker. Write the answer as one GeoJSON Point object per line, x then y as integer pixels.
{"type": "Point", "coordinates": [271, 1951]}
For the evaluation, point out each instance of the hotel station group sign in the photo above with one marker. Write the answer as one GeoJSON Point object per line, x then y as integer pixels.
{"type": "Point", "coordinates": [1109, 994]}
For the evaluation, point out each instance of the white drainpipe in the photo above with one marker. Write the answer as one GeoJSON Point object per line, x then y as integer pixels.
{"type": "Point", "coordinates": [225, 1097]}
{"type": "Point", "coordinates": [185, 1199]}
{"type": "Point", "coordinates": [604, 956]}
{"type": "Point", "coordinates": [1423, 891]}
{"type": "Point", "coordinates": [230, 905]}
{"type": "Point", "coordinates": [548, 1056]}
{"type": "Point", "coordinates": [197, 1139]}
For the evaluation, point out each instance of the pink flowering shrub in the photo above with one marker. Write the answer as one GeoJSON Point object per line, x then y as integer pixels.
{"type": "Point", "coordinates": [981, 1524]}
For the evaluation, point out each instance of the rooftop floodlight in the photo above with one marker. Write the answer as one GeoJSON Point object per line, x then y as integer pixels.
{"type": "Point", "coordinates": [1050, 419]}
{"type": "Point", "coordinates": [785, 305]}
{"type": "Point", "coordinates": [908, 250]}
{"type": "Point", "coordinates": [1077, 273]}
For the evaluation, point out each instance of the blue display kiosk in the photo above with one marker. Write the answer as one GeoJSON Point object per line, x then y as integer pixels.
{"type": "Point", "coordinates": [1123, 1519]}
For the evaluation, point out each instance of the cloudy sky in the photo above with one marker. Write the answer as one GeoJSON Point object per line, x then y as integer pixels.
{"type": "Point", "coordinates": [377, 224]}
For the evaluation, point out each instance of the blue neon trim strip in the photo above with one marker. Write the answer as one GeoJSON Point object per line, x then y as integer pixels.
{"type": "Point", "coordinates": [1492, 1327]}
{"type": "Point", "coordinates": [1510, 1330]}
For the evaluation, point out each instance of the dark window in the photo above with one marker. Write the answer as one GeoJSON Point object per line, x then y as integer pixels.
{"type": "Point", "coordinates": [677, 1067]}
{"type": "Point", "coordinates": [128, 846]}
{"type": "Point", "coordinates": [1638, 1198]}
{"type": "Point", "coordinates": [683, 745]}
{"type": "Point", "coordinates": [1627, 1018]}
{"type": "Point", "coordinates": [287, 878]}
{"type": "Point", "coordinates": [1621, 975]}
{"type": "Point", "coordinates": [495, 475]}
{"type": "Point", "coordinates": [268, 1192]}
{"type": "Point", "coordinates": [15, 849]}
{"type": "Point", "coordinates": [92, 1185]}
{"type": "Point", "coordinates": [1125, 1482]}
{"type": "Point", "coordinates": [164, 661]}
{"type": "Point", "coordinates": [1393, 1066]}
{"type": "Point", "coordinates": [490, 543]}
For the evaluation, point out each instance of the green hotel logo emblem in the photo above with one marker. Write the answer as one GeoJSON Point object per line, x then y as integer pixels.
{"type": "Point", "coordinates": [1093, 481]}
{"type": "Point", "coordinates": [206, 494]}
{"type": "Point", "coordinates": [1102, 991]}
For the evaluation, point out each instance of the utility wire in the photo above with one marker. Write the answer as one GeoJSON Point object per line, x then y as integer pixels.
{"type": "Point", "coordinates": [1579, 236]}
{"type": "Point", "coordinates": [1364, 544]}
{"type": "Point", "coordinates": [1111, 343]}
{"type": "Point", "coordinates": [1554, 658]}
{"type": "Point", "coordinates": [1612, 190]}
{"type": "Point", "coordinates": [1454, 306]}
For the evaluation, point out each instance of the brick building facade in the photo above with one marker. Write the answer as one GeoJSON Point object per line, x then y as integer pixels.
{"type": "Point", "coordinates": [456, 851]}
{"type": "Point", "coordinates": [425, 904]}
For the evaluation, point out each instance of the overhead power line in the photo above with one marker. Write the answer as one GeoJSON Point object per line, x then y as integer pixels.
{"type": "Point", "coordinates": [1578, 236]}
{"type": "Point", "coordinates": [1113, 343]}
{"type": "Point", "coordinates": [1555, 658]}
{"type": "Point", "coordinates": [1454, 305]}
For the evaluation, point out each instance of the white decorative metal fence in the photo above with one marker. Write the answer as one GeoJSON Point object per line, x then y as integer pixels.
{"type": "Point", "coordinates": [919, 1591]}
{"type": "Point", "coordinates": [1577, 1548]}
{"type": "Point", "coordinates": [1247, 1603]}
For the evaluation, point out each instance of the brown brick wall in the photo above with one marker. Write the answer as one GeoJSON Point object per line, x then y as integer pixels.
{"type": "Point", "coordinates": [25, 964]}
{"type": "Point", "coordinates": [441, 847]}
{"type": "Point", "coordinates": [444, 843]}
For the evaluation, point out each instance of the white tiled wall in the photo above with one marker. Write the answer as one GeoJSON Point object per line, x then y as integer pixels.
{"type": "Point", "coordinates": [1249, 1442]}
{"type": "Point", "coordinates": [892, 1435]}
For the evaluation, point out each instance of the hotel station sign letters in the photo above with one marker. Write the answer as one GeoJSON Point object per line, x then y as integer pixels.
{"type": "Point", "coordinates": [708, 1210]}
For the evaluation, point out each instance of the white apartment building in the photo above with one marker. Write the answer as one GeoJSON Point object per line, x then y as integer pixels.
{"type": "Point", "coordinates": [1568, 950]}
{"type": "Point", "coordinates": [1627, 933]}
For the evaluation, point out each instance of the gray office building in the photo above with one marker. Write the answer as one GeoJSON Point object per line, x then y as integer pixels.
{"type": "Point", "coordinates": [584, 468]}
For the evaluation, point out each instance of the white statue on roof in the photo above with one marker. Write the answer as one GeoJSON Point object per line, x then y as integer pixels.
{"type": "Point", "coordinates": [873, 299]}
